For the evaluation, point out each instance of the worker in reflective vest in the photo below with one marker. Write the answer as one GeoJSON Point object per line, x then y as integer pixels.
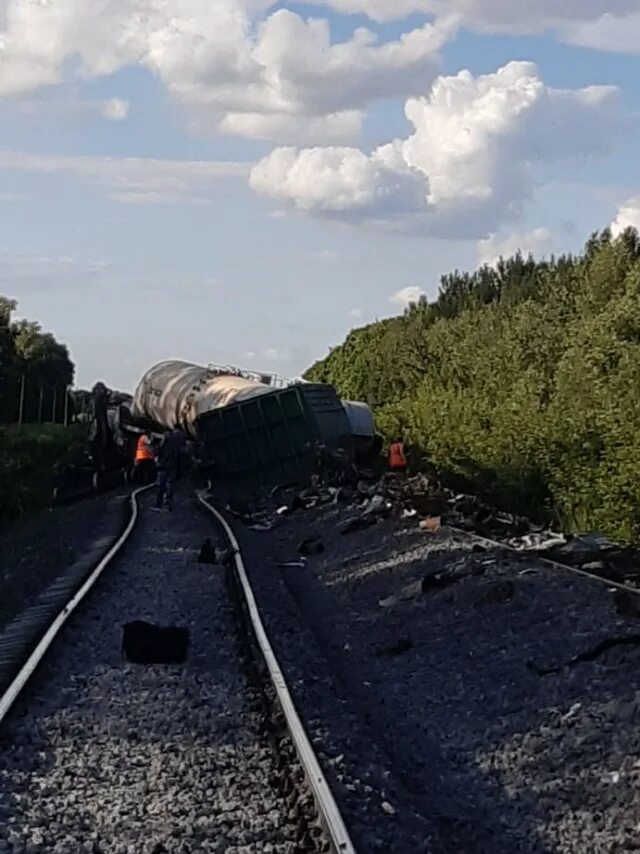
{"type": "Point", "coordinates": [145, 464]}
{"type": "Point", "coordinates": [397, 459]}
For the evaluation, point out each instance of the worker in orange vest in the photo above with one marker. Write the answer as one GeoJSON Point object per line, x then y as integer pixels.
{"type": "Point", "coordinates": [144, 471]}
{"type": "Point", "coordinates": [397, 458]}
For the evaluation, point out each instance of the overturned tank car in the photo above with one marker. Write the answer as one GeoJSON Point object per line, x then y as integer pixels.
{"type": "Point", "coordinates": [174, 394]}
{"type": "Point", "coordinates": [251, 433]}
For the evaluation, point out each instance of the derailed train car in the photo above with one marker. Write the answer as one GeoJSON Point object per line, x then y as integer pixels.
{"type": "Point", "coordinates": [252, 433]}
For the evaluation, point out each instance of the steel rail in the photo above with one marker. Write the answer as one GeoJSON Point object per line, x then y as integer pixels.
{"type": "Point", "coordinates": [14, 690]}
{"type": "Point", "coordinates": [534, 555]}
{"type": "Point", "coordinates": [325, 801]}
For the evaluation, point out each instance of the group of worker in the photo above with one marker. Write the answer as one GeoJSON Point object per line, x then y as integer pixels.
{"type": "Point", "coordinates": [160, 461]}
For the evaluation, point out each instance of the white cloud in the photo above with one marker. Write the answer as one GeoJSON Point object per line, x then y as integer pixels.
{"type": "Point", "coordinates": [602, 20]}
{"type": "Point", "coordinates": [325, 256]}
{"type": "Point", "coordinates": [378, 10]}
{"type": "Point", "coordinates": [469, 165]}
{"type": "Point", "coordinates": [115, 109]}
{"type": "Point", "coordinates": [530, 16]}
{"type": "Point", "coordinates": [23, 271]}
{"type": "Point", "coordinates": [610, 32]}
{"type": "Point", "coordinates": [537, 242]}
{"type": "Point", "coordinates": [243, 71]}
{"type": "Point", "coordinates": [406, 296]}
{"type": "Point", "coordinates": [628, 215]}
{"type": "Point", "coordinates": [7, 198]}
{"type": "Point", "coordinates": [274, 354]}
{"type": "Point", "coordinates": [328, 129]}
{"type": "Point", "coordinates": [134, 179]}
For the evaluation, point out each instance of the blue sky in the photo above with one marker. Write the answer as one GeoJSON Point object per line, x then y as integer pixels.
{"type": "Point", "coordinates": [261, 219]}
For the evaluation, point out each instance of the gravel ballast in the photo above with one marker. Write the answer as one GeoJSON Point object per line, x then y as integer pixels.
{"type": "Point", "coordinates": [105, 756]}
{"type": "Point", "coordinates": [34, 551]}
{"type": "Point", "coordinates": [441, 681]}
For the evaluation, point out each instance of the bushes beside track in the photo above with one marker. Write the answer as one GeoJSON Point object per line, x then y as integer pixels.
{"type": "Point", "coordinates": [30, 458]}
{"type": "Point", "coordinates": [521, 380]}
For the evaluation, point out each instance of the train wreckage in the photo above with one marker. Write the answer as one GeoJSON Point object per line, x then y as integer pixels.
{"type": "Point", "coordinates": [254, 430]}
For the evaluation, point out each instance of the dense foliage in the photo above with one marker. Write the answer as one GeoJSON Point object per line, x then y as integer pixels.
{"type": "Point", "coordinates": [524, 379]}
{"type": "Point", "coordinates": [31, 456]}
{"type": "Point", "coordinates": [30, 459]}
{"type": "Point", "coordinates": [26, 352]}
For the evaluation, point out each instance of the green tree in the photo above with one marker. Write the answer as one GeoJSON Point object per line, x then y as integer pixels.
{"type": "Point", "coordinates": [522, 379]}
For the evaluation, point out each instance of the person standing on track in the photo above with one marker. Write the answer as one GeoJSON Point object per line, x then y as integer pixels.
{"type": "Point", "coordinates": [168, 461]}
{"type": "Point", "coordinates": [397, 457]}
{"type": "Point", "coordinates": [144, 468]}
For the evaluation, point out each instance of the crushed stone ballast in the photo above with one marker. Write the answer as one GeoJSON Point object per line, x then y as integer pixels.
{"type": "Point", "coordinates": [327, 807]}
{"type": "Point", "coordinates": [74, 708]}
{"type": "Point", "coordinates": [73, 586]}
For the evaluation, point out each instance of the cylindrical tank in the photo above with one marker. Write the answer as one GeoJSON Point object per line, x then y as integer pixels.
{"type": "Point", "coordinates": [173, 394]}
{"type": "Point", "coordinates": [363, 427]}
{"type": "Point", "coordinates": [361, 419]}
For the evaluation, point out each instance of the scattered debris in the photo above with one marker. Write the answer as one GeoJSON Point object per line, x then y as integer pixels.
{"type": "Point", "coordinates": [573, 711]}
{"type": "Point", "coordinates": [589, 655]}
{"type": "Point", "coordinates": [207, 553]}
{"type": "Point", "coordinates": [537, 542]}
{"type": "Point", "coordinates": [409, 513]}
{"type": "Point", "coordinates": [354, 558]}
{"type": "Point", "coordinates": [627, 605]}
{"type": "Point", "coordinates": [597, 567]}
{"type": "Point", "coordinates": [411, 591]}
{"type": "Point", "coordinates": [357, 523]}
{"type": "Point", "coordinates": [438, 581]}
{"type": "Point", "coordinates": [429, 505]}
{"type": "Point", "coordinates": [377, 506]}
{"type": "Point", "coordinates": [497, 593]}
{"type": "Point", "coordinates": [398, 648]}
{"type": "Point", "coordinates": [145, 643]}
{"type": "Point", "coordinates": [311, 546]}
{"type": "Point", "coordinates": [431, 525]}
{"type": "Point", "coordinates": [388, 808]}
{"type": "Point", "coordinates": [225, 557]}
{"type": "Point", "coordinates": [478, 569]}
{"type": "Point", "coordinates": [366, 490]}
{"type": "Point", "coordinates": [582, 549]}
{"type": "Point", "coordinates": [292, 564]}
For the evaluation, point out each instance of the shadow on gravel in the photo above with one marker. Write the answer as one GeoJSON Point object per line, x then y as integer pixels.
{"type": "Point", "coordinates": [145, 643]}
{"type": "Point", "coordinates": [503, 760]}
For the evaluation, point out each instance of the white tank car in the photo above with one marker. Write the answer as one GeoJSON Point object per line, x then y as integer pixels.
{"type": "Point", "coordinates": [174, 394]}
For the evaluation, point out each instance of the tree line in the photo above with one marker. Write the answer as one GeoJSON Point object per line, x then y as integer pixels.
{"type": "Point", "coordinates": [35, 370]}
{"type": "Point", "coordinates": [520, 380]}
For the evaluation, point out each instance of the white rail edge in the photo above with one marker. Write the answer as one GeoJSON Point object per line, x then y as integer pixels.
{"type": "Point", "coordinates": [533, 555]}
{"type": "Point", "coordinates": [26, 671]}
{"type": "Point", "coordinates": [324, 798]}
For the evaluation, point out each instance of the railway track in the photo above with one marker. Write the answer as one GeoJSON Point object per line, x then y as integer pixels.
{"type": "Point", "coordinates": [100, 755]}
{"type": "Point", "coordinates": [540, 557]}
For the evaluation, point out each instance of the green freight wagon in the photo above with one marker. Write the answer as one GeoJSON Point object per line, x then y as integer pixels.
{"type": "Point", "coordinates": [264, 441]}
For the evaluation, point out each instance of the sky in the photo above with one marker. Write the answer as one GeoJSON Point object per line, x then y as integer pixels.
{"type": "Point", "coordinates": [244, 181]}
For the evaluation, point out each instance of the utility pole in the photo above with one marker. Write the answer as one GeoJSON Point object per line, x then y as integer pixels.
{"type": "Point", "coordinates": [53, 408]}
{"type": "Point", "coordinates": [22, 387]}
{"type": "Point", "coordinates": [66, 406]}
